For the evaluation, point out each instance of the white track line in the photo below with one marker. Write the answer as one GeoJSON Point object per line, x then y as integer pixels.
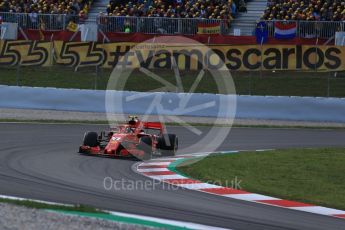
{"type": "Point", "coordinates": [170, 222]}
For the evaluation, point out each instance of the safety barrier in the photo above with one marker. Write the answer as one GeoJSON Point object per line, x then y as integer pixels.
{"type": "Point", "coordinates": [148, 25]}
{"type": "Point", "coordinates": [155, 25]}
{"type": "Point", "coordinates": [36, 21]}
{"type": "Point", "coordinates": [310, 29]}
{"type": "Point", "coordinates": [162, 25]}
{"type": "Point", "coordinates": [94, 101]}
{"type": "Point", "coordinates": [253, 107]}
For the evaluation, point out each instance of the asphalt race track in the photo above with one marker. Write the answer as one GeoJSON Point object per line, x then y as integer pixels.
{"type": "Point", "coordinates": [40, 161]}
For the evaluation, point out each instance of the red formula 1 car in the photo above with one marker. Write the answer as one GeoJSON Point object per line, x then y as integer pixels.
{"type": "Point", "coordinates": [134, 138]}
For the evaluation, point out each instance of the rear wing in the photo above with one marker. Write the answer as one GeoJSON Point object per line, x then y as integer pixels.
{"type": "Point", "coordinates": [151, 125]}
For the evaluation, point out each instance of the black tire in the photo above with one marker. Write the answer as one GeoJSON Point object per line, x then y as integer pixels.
{"type": "Point", "coordinates": [145, 144]}
{"type": "Point", "coordinates": [90, 139]}
{"type": "Point", "coordinates": [168, 148]}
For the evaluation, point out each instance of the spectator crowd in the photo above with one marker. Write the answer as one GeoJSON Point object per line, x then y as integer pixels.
{"type": "Point", "coordinates": [208, 9]}
{"type": "Point", "coordinates": [69, 7]}
{"type": "Point", "coordinates": [310, 10]}
{"type": "Point", "coordinates": [313, 10]}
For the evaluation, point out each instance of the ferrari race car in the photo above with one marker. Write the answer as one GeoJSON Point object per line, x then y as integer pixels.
{"type": "Point", "coordinates": [134, 138]}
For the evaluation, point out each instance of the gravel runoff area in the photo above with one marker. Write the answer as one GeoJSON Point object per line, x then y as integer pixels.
{"type": "Point", "coordinates": [53, 115]}
{"type": "Point", "coordinates": [21, 218]}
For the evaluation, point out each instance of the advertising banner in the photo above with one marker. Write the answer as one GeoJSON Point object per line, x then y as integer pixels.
{"type": "Point", "coordinates": [186, 56]}
{"type": "Point", "coordinates": [193, 57]}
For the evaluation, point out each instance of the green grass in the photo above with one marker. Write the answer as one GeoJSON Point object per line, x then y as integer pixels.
{"type": "Point", "coordinates": [283, 83]}
{"type": "Point", "coordinates": [313, 176]}
{"type": "Point", "coordinates": [59, 77]}
{"type": "Point", "coordinates": [39, 205]}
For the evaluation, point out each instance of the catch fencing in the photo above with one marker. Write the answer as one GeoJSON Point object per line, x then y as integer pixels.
{"type": "Point", "coordinates": [155, 25]}
{"type": "Point", "coordinates": [162, 25]}
{"type": "Point", "coordinates": [34, 21]}
{"type": "Point", "coordinates": [148, 25]}
{"type": "Point", "coordinates": [310, 29]}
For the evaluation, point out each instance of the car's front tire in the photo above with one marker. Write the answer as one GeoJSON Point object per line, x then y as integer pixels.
{"type": "Point", "coordinates": [91, 139]}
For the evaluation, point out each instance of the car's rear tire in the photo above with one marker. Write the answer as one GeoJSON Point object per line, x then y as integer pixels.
{"type": "Point", "coordinates": [145, 144]}
{"type": "Point", "coordinates": [168, 148]}
{"type": "Point", "coordinates": [91, 139]}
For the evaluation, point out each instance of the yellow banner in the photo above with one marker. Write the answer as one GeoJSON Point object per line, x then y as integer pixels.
{"type": "Point", "coordinates": [25, 53]}
{"type": "Point", "coordinates": [193, 57]}
{"type": "Point", "coordinates": [72, 26]}
{"type": "Point", "coordinates": [186, 56]}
